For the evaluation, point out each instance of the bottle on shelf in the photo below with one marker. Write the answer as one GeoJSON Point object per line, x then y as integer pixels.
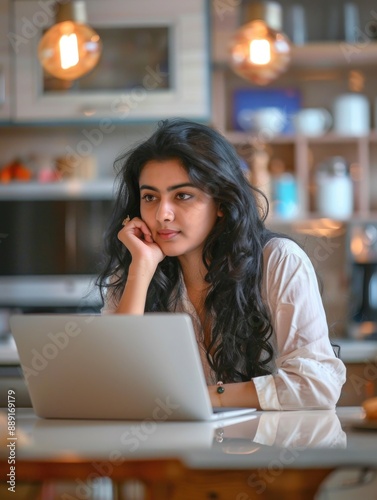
{"type": "Point", "coordinates": [283, 190]}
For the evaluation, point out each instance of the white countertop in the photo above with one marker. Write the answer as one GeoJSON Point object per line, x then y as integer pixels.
{"type": "Point", "coordinates": [8, 351]}
{"type": "Point", "coordinates": [357, 351]}
{"type": "Point", "coordinates": [254, 439]}
{"type": "Point", "coordinates": [267, 452]}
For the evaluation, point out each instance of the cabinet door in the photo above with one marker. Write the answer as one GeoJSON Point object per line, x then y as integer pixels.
{"type": "Point", "coordinates": [171, 83]}
{"type": "Point", "coordinates": [4, 63]}
{"type": "Point", "coordinates": [360, 384]}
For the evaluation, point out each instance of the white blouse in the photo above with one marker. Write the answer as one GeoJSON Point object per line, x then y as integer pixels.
{"type": "Point", "coordinates": [305, 373]}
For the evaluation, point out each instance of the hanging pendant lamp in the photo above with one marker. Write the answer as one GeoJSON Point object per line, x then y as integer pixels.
{"type": "Point", "coordinates": [260, 51]}
{"type": "Point", "coordinates": [70, 48]}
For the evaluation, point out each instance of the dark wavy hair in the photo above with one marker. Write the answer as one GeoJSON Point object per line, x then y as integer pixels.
{"type": "Point", "coordinates": [232, 254]}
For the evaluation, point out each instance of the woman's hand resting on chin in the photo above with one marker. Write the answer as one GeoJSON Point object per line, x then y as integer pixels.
{"type": "Point", "coordinates": [137, 238]}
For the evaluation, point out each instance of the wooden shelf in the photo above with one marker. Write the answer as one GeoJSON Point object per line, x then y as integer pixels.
{"type": "Point", "coordinates": [330, 54]}
{"type": "Point", "coordinates": [313, 217]}
{"type": "Point", "coordinates": [317, 55]}
{"type": "Point", "coordinates": [73, 189]}
{"type": "Point", "coordinates": [236, 136]}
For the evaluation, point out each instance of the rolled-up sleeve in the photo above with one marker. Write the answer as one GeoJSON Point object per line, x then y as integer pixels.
{"type": "Point", "coordinates": [307, 374]}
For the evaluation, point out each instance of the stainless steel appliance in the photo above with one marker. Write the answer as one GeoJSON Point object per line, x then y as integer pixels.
{"type": "Point", "coordinates": [363, 303]}
{"type": "Point", "coordinates": [50, 253]}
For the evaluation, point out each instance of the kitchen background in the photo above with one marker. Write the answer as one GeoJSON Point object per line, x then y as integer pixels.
{"type": "Point", "coordinates": [308, 139]}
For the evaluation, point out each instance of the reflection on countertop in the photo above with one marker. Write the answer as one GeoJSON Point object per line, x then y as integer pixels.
{"type": "Point", "coordinates": [297, 430]}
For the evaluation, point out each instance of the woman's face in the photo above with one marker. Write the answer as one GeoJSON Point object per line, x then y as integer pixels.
{"type": "Point", "coordinates": [179, 215]}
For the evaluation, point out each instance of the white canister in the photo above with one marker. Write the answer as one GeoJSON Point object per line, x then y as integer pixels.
{"type": "Point", "coordinates": [351, 115]}
{"type": "Point", "coordinates": [334, 194]}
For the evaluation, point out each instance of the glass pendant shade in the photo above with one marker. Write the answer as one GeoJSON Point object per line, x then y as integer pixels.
{"type": "Point", "coordinates": [259, 53]}
{"type": "Point", "coordinates": [69, 49]}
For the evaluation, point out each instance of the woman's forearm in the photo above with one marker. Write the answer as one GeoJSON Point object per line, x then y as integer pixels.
{"type": "Point", "coordinates": [135, 291]}
{"type": "Point", "coordinates": [240, 394]}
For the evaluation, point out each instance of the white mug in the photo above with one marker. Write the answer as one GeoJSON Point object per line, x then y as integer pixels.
{"type": "Point", "coordinates": [351, 115]}
{"type": "Point", "coordinates": [269, 120]}
{"type": "Point", "coordinates": [312, 121]}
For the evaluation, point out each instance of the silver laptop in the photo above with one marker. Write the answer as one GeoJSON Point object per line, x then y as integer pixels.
{"type": "Point", "coordinates": [114, 367]}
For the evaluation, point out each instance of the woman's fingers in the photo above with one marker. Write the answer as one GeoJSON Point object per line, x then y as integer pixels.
{"type": "Point", "coordinates": [135, 227]}
{"type": "Point", "coordinates": [137, 238]}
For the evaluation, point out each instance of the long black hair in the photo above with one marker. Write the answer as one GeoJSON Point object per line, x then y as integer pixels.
{"type": "Point", "coordinates": [232, 254]}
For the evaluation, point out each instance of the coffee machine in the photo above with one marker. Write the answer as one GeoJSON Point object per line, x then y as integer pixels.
{"type": "Point", "coordinates": [363, 280]}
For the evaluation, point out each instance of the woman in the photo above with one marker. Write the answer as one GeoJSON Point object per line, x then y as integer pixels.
{"type": "Point", "coordinates": [187, 236]}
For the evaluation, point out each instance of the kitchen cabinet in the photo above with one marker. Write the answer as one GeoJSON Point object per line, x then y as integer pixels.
{"type": "Point", "coordinates": [360, 384]}
{"type": "Point", "coordinates": [170, 77]}
{"type": "Point", "coordinates": [361, 363]}
{"type": "Point", "coordinates": [5, 66]}
{"type": "Point", "coordinates": [52, 249]}
{"type": "Point", "coordinates": [320, 71]}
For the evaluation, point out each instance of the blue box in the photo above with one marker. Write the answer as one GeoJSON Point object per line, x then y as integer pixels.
{"type": "Point", "coordinates": [287, 100]}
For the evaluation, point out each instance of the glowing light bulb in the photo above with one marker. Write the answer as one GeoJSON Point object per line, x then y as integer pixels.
{"type": "Point", "coordinates": [69, 51]}
{"type": "Point", "coordinates": [258, 52]}
{"type": "Point", "coordinates": [70, 48]}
